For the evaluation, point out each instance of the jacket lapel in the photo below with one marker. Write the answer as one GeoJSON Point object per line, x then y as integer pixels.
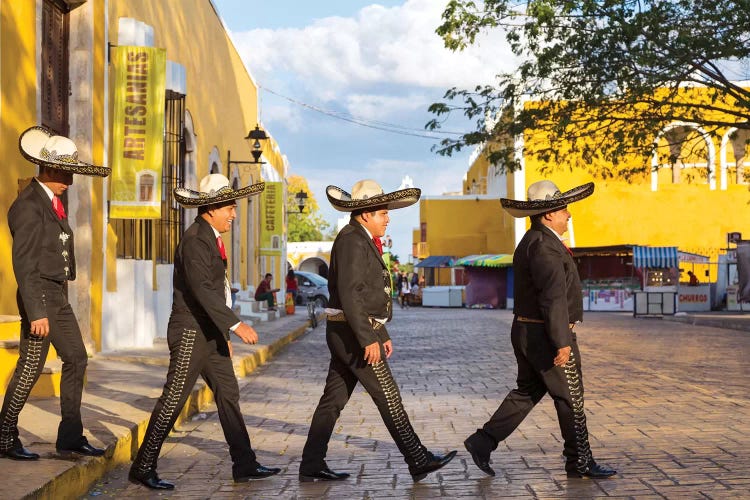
{"type": "Point", "coordinates": [47, 204]}
{"type": "Point", "coordinates": [363, 232]}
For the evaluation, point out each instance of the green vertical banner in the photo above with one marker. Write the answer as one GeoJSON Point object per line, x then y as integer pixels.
{"type": "Point", "coordinates": [137, 132]}
{"type": "Point", "coordinates": [272, 218]}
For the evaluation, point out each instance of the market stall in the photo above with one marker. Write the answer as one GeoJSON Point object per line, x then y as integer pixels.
{"type": "Point", "coordinates": [488, 279]}
{"type": "Point", "coordinates": [659, 270]}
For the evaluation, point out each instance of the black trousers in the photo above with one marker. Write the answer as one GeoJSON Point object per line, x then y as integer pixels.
{"type": "Point", "coordinates": [192, 353]}
{"type": "Point", "coordinates": [65, 336]}
{"type": "Point", "coordinates": [348, 367]}
{"type": "Point", "coordinates": [538, 376]}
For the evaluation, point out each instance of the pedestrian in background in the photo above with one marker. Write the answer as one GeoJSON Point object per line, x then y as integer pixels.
{"type": "Point", "coordinates": [43, 262]}
{"type": "Point", "coordinates": [360, 305]}
{"type": "Point", "coordinates": [291, 284]}
{"type": "Point", "coordinates": [199, 333]}
{"type": "Point", "coordinates": [547, 304]}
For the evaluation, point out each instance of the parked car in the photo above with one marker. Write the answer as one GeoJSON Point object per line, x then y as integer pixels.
{"type": "Point", "coordinates": [312, 288]}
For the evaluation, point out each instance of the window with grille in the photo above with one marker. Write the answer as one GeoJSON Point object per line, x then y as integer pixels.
{"type": "Point", "coordinates": [157, 239]}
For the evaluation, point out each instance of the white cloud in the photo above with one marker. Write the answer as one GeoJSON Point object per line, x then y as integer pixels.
{"type": "Point", "coordinates": [380, 46]}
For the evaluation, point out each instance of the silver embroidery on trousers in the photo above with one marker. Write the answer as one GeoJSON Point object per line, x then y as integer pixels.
{"type": "Point", "coordinates": [398, 414]}
{"type": "Point", "coordinates": [28, 373]}
{"type": "Point", "coordinates": [575, 388]}
{"type": "Point", "coordinates": [163, 421]}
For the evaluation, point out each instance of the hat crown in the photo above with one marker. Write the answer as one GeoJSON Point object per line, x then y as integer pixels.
{"type": "Point", "coordinates": [213, 183]}
{"type": "Point", "coordinates": [59, 149]}
{"type": "Point", "coordinates": [543, 190]}
{"type": "Point", "coordinates": [365, 189]}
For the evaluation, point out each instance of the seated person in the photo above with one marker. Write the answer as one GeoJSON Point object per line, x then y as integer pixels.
{"type": "Point", "coordinates": [264, 292]}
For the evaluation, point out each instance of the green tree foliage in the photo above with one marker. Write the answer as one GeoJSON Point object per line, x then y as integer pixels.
{"type": "Point", "coordinates": [605, 76]}
{"type": "Point", "coordinates": [307, 225]}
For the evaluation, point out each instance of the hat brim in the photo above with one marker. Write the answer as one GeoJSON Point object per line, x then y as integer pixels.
{"type": "Point", "coordinates": [194, 199]}
{"type": "Point", "coordinates": [32, 140]}
{"type": "Point", "coordinates": [520, 208]}
{"type": "Point", "coordinates": [343, 202]}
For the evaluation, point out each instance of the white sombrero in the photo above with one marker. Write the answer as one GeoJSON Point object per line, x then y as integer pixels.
{"type": "Point", "coordinates": [213, 189]}
{"type": "Point", "coordinates": [40, 146]}
{"type": "Point", "coordinates": [367, 194]}
{"type": "Point", "coordinates": [544, 196]}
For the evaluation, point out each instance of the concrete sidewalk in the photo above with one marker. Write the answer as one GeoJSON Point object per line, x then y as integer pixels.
{"type": "Point", "coordinates": [717, 319]}
{"type": "Point", "coordinates": [120, 393]}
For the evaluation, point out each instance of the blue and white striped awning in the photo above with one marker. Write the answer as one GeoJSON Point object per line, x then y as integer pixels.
{"type": "Point", "coordinates": [655, 257]}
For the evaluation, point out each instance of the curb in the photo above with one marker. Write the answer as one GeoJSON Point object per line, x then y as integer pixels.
{"type": "Point", "coordinates": [77, 481]}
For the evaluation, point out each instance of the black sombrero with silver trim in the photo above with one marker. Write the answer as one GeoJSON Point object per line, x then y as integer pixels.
{"type": "Point", "coordinates": [368, 194]}
{"type": "Point", "coordinates": [40, 146]}
{"type": "Point", "coordinates": [214, 189]}
{"type": "Point", "coordinates": [544, 196]}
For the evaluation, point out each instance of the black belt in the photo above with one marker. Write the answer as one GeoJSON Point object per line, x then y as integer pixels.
{"type": "Point", "coordinates": [524, 319]}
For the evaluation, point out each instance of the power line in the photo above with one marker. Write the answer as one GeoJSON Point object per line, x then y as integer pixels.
{"type": "Point", "coordinates": [377, 125]}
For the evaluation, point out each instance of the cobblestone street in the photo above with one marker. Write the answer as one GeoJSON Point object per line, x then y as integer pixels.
{"type": "Point", "coordinates": [667, 406]}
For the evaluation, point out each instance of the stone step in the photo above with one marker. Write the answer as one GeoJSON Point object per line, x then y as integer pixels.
{"type": "Point", "coordinates": [48, 384]}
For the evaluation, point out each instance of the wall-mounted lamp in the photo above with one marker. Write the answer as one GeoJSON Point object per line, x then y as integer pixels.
{"type": "Point", "coordinates": [254, 137]}
{"type": "Point", "coordinates": [301, 198]}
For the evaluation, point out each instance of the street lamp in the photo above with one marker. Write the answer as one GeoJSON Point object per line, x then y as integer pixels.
{"type": "Point", "coordinates": [254, 137]}
{"type": "Point", "coordinates": [301, 198]}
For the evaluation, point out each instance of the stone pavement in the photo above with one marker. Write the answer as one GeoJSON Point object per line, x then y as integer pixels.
{"type": "Point", "coordinates": [667, 406]}
{"type": "Point", "coordinates": [120, 393]}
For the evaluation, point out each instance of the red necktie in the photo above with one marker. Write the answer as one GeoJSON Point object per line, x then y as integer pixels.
{"type": "Point", "coordinates": [378, 244]}
{"type": "Point", "coordinates": [568, 249]}
{"type": "Point", "coordinates": [57, 206]}
{"type": "Point", "coordinates": [222, 250]}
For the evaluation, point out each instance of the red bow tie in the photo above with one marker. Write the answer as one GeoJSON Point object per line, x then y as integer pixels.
{"type": "Point", "coordinates": [58, 207]}
{"type": "Point", "coordinates": [222, 249]}
{"type": "Point", "coordinates": [378, 244]}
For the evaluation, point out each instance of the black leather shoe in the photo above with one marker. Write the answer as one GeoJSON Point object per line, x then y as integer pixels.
{"type": "Point", "coordinates": [150, 480]}
{"type": "Point", "coordinates": [20, 454]}
{"type": "Point", "coordinates": [595, 472]}
{"type": "Point", "coordinates": [481, 459]}
{"type": "Point", "coordinates": [435, 463]}
{"type": "Point", "coordinates": [85, 450]}
{"type": "Point", "coordinates": [257, 473]}
{"type": "Point", "coordinates": [324, 474]}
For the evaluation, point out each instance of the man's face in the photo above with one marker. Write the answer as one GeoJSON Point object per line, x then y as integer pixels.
{"type": "Point", "coordinates": [376, 222]}
{"type": "Point", "coordinates": [56, 180]}
{"type": "Point", "coordinates": [558, 220]}
{"type": "Point", "coordinates": [221, 218]}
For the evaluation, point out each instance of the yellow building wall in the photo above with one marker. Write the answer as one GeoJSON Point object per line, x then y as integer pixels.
{"type": "Point", "coordinates": [465, 226]}
{"type": "Point", "coordinates": [18, 111]}
{"type": "Point", "coordinates": [221, 96]}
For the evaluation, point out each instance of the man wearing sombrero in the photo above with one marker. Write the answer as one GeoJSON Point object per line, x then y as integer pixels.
{"type": "Point", "coordinates": [547, 304]}
{"type": "Point", "coordinates": [360, 304]}
{"type": "Point", "coordinates": [198, 333]}
{"type": "Point", "coordinates": [43, 263]}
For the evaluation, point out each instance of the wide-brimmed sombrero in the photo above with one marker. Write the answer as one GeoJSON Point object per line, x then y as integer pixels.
{"type": "Point", "coordinates": [368, 194]}
{"type": "Point", "coordinates": [40, 146]}
{"type": "Point", "coordinates": [544, 196]}
{"type": "Point", "coordinates": [213, 189]}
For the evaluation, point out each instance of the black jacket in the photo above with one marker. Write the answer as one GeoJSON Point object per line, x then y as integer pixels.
{"type": "Point", "coordinates": [360, 284]}
{"type": "Point", "coordinates": [546, 285]}
{"type": "Point", "coordinates": [198, 281]}
{"type": "Point", "coordinates": [42, 247]}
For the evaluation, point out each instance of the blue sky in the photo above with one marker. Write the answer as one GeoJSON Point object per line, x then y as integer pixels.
{"type": "Point", "coordinates": [377, 61]}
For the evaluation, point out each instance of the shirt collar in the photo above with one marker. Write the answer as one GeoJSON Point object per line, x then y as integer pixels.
{"type": "Point", "coordinates": [46, 189]}
{"type": "Point", "coordinates": [216, 233]}
{"type": "Point", "coordinates": [559, 237]}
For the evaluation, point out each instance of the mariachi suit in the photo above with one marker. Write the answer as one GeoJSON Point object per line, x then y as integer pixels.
{"type": "Point", "coordinates": [360, 285]}
{"type": "Point", "coordinates": [547, 302]}
{"type": "Point", "coordinates": [197, 335]}
{"type": "Point", "coordinates": [43, 263]}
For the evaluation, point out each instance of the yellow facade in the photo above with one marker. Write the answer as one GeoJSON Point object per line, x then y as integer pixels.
{"type": "Point", "coordinates": [221, 104]}
{"type": "Point", "coordinates": [690, 201]}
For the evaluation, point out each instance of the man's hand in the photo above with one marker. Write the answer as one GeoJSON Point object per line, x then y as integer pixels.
{"type": "Point", "coordinates": [388, 347]}
{"type": "Point", "coordinates": [563, 354]}
{"type": "Point", "coordinates": [372, 353]}
{"type": "Point", "coordinates": [247, 333]}
{"type": "Point", "coordinates": [40, 327]}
